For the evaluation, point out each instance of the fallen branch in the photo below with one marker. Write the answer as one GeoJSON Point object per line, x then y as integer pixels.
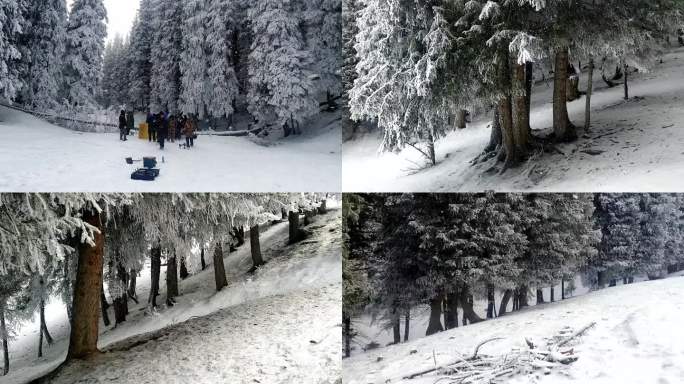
{"type": "Point", "coordinates": [577, 334]}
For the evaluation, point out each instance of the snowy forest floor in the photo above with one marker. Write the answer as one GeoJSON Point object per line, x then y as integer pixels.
{"type": "Point", "coordinates": [280, 324]}
{"type": "Point", "coordinates": [636, 340]}
{"type": "Point", "coordinates": [639, 144]}
{"type": "Point", "coordinates": [37, 156]}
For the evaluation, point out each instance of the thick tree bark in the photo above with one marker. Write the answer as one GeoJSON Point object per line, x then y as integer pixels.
{"type": "Point", "coordinates": [219, 269]}
{"type": "Point", "coordinates": [573, 84]}
{"type": "Point", "coordinates": [104, 305]}
{"type": "Point", "coordinates": [171, 280]}
{"type": "Point", "coordinates": [521, 118]}
{"type": "Point", "coordinates": [293, 218]}
{"type": "Point", "coordinates": [40, 344]}
{"type": "Point", "coordinates": [3, 334]}
{"type": "Point", "coordinates": [396, 325]}
{"type": "Point", "coordinates": [435, 324]}
{"type": "Point", "coordinates": [202, 261]}
{"type": "Point", "coordinates": [495, 138]}
{"type": "Point", "coordinates": [347, 335]}
{"type": "Point", "coordinates": [86, 317]}
{"type": "Point", "coordinates": [562, 127]}
{"type": "Point", "coordinates": [257, 259]}
{"type": "Point", "coordinates": [461, 119]}
{"type": "Point", "coordinates": [562, 289]}
{"type": "Point", "coordinates": [540, 296]}
{"type": "Point", "coordinates": [506, 114]}
{"type": "Point", "coordinates": [466, 300]}
{"type": "Point", "coordinates": [451, 310]}
{"type": "Point", "coordinates": [323, 208]}
{"type": "Point", "coordinates": [240, 236]}
{"type": "Point", "coordinates": [601, 278]}
{"type": "Point", "coordinates": [529, 75]}
{"type": "Point", "coordinates": [407, 322]}
{"type": "Point", "coordinates": [431, 150]}
{"type": "Point", "coordinates": [522, 297]}
{"type": "Point", "coordinates": [553, 294]}
{"type": "Point", "coordinates": [590, 90]}
{"type": "Point", "coordinates": [491, 301]}
{"type": "Point", "coordinates": [183, 269]}
{"type": "Point", "coordinates": [503, 307]}
{"type": "Point", "coordinates": [155, 266]}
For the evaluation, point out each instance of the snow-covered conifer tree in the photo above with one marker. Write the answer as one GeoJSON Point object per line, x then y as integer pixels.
{"type": "Point", "coordinates": [221, 72]}
{"type": "Point", "coordinates": [139, 55]}
{"type": "Point", "coordinates": [165, 53]}
{"type": "Point", "coordinates": [11, 23]}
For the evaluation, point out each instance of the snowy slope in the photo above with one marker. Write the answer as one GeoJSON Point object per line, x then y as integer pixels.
{"type": "Point", "coordinates": [269, 318]}
{"type": "Point", "coordinates": [637, 340]}
{"type": "Point", "coordinates": [37, 156]}
{"type": "Point", "coordinates": [643, 140]}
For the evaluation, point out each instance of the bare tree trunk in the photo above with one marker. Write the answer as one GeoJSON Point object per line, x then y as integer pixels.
{"type": "Point", "coordinates": [601, 278]}
{"type": "Point", "coordinates": [562, 128]}
{"type": "Point", "coordinates": [451, 310]}
{"type": "Point", "coordinates": [86, 319]}
{"type": "Point", "coordinates": [396, 325]}
{"type": "Point", "coordinates": [3, 334]}
{"type": "Point", "coordinates": [293, 218]}
{"type": "Point", "coordinates": [155, 267]}
{"type": "Point", "coordinates": [104, 305]}
{"type": "Point", "coordinates": [522, 297]}
{"type": "Point", "coordinates": [219, 268]}
{"type": "Point", "coordinates": [347, 335]}
{"type": "Point", "coordinates": [553, 294]}
{"type": "Point", "coordinates": [40, 343]}
{"type": "Point", "coordinates": [431, 150]}
{"type": "Point", "coordinates": [590, 90]}
{"type": "Point", "coordinates": [204, 263]}
{"type": "Point", "coordinates": [121, 301]}
{"type": "Point", "coordinates": [466, 299]}
{"type": "Point", "coordinates": [43, 326]}
{"type": "Point", "coordinates": [503, 307]}
{"type": "Point", "coordinates": [490, 301]}
{"type": "Point", "coordinates": [461, 118]}
{"type": "Point", "coordinates": [495, 139]}
{"type": "Point", "coordinates": [171, 279]}
{"type": "Point", "coordinates": [625, 67]}
{"type": "Point", "coordinates": [407, 321]}
{"type": "Point", "coordinates": [183, 269]}
{"type": "Point", "coordinates": [529, 75]}
{"type": "Point", "coordinates": [506, 115]}
{"type": "Point", "coordinates": [540, 296]}
{"type": "Point", "coordinates": [257, 259]}
{"type": "Point", "coordinates": [132, 282]}
{"type": "Point", "coordinates": [435, 324]}
{"type": "Point", "coordinates": [562, 289]}
{"type": "Point", "coordinates": [521, 118]}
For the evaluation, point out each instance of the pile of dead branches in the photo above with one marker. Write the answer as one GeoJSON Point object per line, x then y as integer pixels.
{"type": "Point", "coordinates": [483, 369]}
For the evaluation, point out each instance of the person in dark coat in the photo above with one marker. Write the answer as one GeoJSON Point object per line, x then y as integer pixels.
{"type": "Point", "coordinates": [151, 127]}
{"type": "Point", "coordinates": [163, 129]}
{"type": "Point", "coordinates": [122, 126]}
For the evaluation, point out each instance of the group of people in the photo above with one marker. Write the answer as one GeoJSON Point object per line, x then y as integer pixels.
{"type": "Point", "coordinates": [163, 126]}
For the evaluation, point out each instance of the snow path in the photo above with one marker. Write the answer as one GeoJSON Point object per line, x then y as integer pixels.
{"type": "Point", "coordinates": [637, 340]}
{"type": "Point", "coordinates": [290, 270]}
{"type": "Point", "coordinates": [643, 140]}
{"type": "Point", "coordinates": [36, 156]}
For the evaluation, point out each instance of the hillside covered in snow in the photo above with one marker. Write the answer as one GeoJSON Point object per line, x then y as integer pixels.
{"type": "Point", "coordinates": [635, 339]}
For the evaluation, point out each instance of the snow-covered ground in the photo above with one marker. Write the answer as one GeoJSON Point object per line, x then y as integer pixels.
{"type": "Point", "coordinates": [36, 156]}
{"type": "Point", "coordinates": [280, 324]}
{"type": "Point", "coordinates": [636, 340]}
{"type": "Point", "coordinates": [642, 140]}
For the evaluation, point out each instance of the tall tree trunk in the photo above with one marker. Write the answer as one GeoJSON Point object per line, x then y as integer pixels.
{"type": "Point", "coordinates": [347, 335]}
{"type": "Point", "coordinates": [461, 118]}
{"type": "Point", "coordinates": [104, 305]}
{"type": "Point", "coordinates": [40, 343]}
{"type": "Point", "coordinates": [562, 128]}
{"type": "Point", "coordinates": [132, 282]}
{"type": "Point", "coordinates": [601, 278]}
{"type": "Point", "coordinates": [506, 114]}
{"type": "Point", "coordinates": [396, 325]}
{"type": "Point", "coordinates": [562, 289]}
{"type": "Point", "coordinates": [293, 218]}
{"type": "Point", "coordinates": [540, 296]}
{"type": "Point", "coordinates": [435, 324]}
{"type": "Point", "coordinates": [219, 268]}
{"type": "Point", "coordinates": [431, 149]}
{"type": "Point", "coordinates": [121, 300]}
{"type": "Point", "coordinates": [3, 334]}
{"type": "Point", "coordinates": [521, 118]}
{"type": "Point", "coordinates": [407, 321]}
{"type": "Point", "coordinates": [43, 326]}
{"type": "Point", "coordinates": [171, 279]}
{"type": "Point", "coordinates": [155, 267]}
{"type": "Point", "coordinates": [490, 301]}
{"type": "Point", "coordinates": [495, 138]}
{"type": "Point", "coordinates": [522, 297]}
{"type": "Point", "coordinates": [529, 75]}
{"type": "Point", "coordinates": [625, 67]}
{"type": "Point", "coordinates": [613, 283]}
{"type": "Point", "coordinates": [86, 317]}
{"type": "Point", "coordinates": [503, 307]}
{"type": "Point", "coordinates": [255, 246]}
{"type": "Point", "coordinates": [466, 299]}
{"type": "Point", "coordinates": [590, 90]}
{"type": "Point", "coordinates": [451, 310]}
{"type": "Point", "coordinates": [183, 269]}
{"type": "Point", "coordinates": [553, 294]}
{"type": "Point", "coordinates": [202, 261]}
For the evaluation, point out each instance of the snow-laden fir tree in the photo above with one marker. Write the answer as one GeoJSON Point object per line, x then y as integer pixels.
{"type": "Point", "coordinates": [11, 23]}
{"type": "Point", "coordinates": [323, 35]}
{"type": "Point", "coordinates": [194, 62]}
{"type": "Point", "coordinates": [43, 53]}
{"type": "Point", "coordinates": [139, 54]}
{"type": "Point", "coordinates": [222, 27]}
{"type": "Point", "coordinates": [85, 43]}
{"type": "Point", "coordinates": [115, 82]}
{"type": "Point", "coordinates": [281, 87]}
{"type": "Point", "coordinates": [165, 53]}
